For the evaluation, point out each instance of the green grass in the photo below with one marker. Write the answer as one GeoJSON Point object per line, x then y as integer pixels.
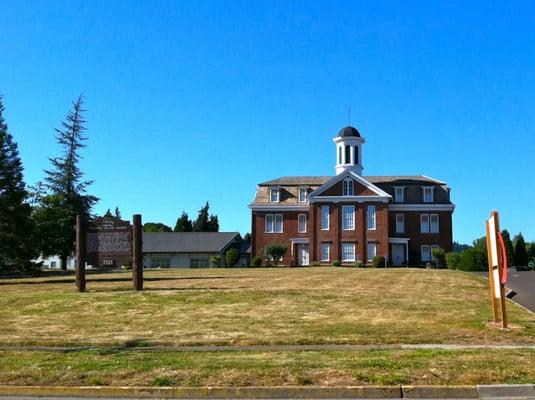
{"type": "Point", "coordinates": [380, 367]}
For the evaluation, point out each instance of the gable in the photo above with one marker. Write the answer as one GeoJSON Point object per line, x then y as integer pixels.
{"type": "Point", "coordinates": [362, 187]}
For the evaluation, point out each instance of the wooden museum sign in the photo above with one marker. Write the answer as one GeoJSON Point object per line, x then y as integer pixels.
{"type": "Point", "coordinates": [109, 242]}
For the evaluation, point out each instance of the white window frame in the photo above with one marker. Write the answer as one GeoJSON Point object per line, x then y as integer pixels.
{"type": "Point", "coordinates": [348, 246]}
{"type": "Point", "coordinates": [400, 222]}
{"type": "Point", "coordinates": [348, 187]}
{"type": "Point", "coordinates": [302, 223]}
{"type": "Point", "coordinates": [437, 225]}
{"type": "Point", "coordinates": [371, 254]}
{"type": "Point", "coordinates": [399, 194]}
{"type": "Point", "coordinates": [325, 218]}
{"type": "Point", "coordinates": [274, 192]}
{"type": "Point", "coordinates": [269, 223]}
{"type": "Point", "coordinates": [422, 252]}
{"type": "Point", "coordinates": [348, 224]}
{"type": "Point", "coordinates": [372, 217]}
{"type": "Point", "coordinates": [325, 252]}
{"type": "Point", "coordinates": [431, 191]}
{"type": "Point", "coordinates": [425, 226]}
{"type": "Point", "coordinates": [305, 195]}
{"type": "Point", "coordinates": [280, 217]}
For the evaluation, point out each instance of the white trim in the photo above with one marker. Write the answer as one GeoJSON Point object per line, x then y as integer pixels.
{"type": "Point", "coordinates": [397, 230]}
{"type": "Point", "coordinates": [343, 175]}
{"type": "Point", "coordinates": [421, 207]}
{"type": "Point", "coordinates": [328, 217]}
{"type": "Point", "coordinates": [299, 240]}
{"type": "Point", "coordinates": [342, 252]}
{"type": "Point", "coordinates": [350, 199]}
{"type": "Point", "coordinates": [432, 188]}
{"type": "Point", "coordinates": [426, 225]}
{"type": "Point", "coordinates": [299, 223]}
{"type": "Point", "coordinates": [369, 219]}
{"type": "Point", "coordinates": [351, 222]}
{"type": "Point", "coordinates": [422, 252]}
{"type": "Point", "coordinates": [431, 223]}
{"type": "Point", "coordinates": [350, 187]}
{"type": "Point", "coordinates": [374, 244]}
{"type": "Point", "coordinates": [402, 194]}
{"type": "Point", "coordinates": [433, 179]}
{"type": "Point", "coordinates": [299, 188]}
{"type": "Point", "coordinates": [278, 190]}
{"type": "Point", "coordinates": [322, 246]}
{"type": "Point", "coordinates": [278, 208]}
{"type": "Point", "coordinates": [398, 240]}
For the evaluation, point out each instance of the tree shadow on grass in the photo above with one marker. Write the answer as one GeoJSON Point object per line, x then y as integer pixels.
{"type": "Point", "coordinates": [121, 279]}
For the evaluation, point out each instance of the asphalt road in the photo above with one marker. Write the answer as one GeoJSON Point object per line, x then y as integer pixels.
{"type": "Point", "coordinates": [523, 283]}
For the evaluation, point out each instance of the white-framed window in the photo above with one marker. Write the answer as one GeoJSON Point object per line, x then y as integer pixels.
{"type": "Point", "coordinates": [348, 252]}
{"type": "Point", "coordinates": [349, 187]}
{"type": "Point", "coordinates": [273, 223]}
{"type": "Point", "coordinates": [425, 254]}
{"type": "Point", "coordinates": [325, 250]}
{"type": "Point", "coordinates": [372, 250]}
{"type": "Point", "coordinates": [424, 223]}
{"type": "Point", "coordinates": [302, 195]}
{"type": "Point", "coordinates": [325, 218]}
{"type": "Point", "coordinates": [199, 263]}
{"type": "Point", "coordinates": [434, 224]}
{"type": "Point", "coordinates": [274, 195]}
{"type": "Point", "coordinates": [399, 194]}
{"type": "Point", "coordinates": [400, 223]}
{"type": "Point", "coordinates": [428, 194]}
{"type": "Point", "coordinates": [302, 223]}
{"type": "Point", "coordinates": [348, 218]}
{"type": "Point", "coordinates": [372, 217]}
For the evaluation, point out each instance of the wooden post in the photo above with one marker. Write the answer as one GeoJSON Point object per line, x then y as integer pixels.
{"type": "Point", "coordinates": [500, 272]}
{"type": "Point", "coordinates": [80, 254]}
{"type": "Point", "coordinates": [137, 254]}
{"type": "Point", "coordinates": [491, 279]}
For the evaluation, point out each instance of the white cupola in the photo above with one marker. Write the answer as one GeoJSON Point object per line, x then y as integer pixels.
{"type": "Point", "coordinates": [348, 150]}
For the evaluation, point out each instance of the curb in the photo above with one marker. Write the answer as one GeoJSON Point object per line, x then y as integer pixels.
{"type": "Point", "coordinates": [278, 392]}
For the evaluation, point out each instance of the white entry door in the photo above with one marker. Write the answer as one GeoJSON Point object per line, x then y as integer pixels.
{"type": "Point", "coordinates": [398, 254]}
{"type": "Point", "coordinates": [302, 254]}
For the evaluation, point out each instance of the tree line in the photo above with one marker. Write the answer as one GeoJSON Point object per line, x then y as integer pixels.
{"type": "Point", "coordinates": [39, 220]}
{"type": "Point", "coordinates": [205, 222]}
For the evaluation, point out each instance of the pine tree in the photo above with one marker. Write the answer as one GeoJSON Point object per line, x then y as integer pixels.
{"type": "Point", "coordinates": [108, 213]}
{"type": "Point", "coordinates": [213, 223]}
{"type": "Point", "coordinates": [521, 255]}
{"type": "Point", "coordinates": [17, 247]}
{"type": "Point", "coordinates": [508, 247]}
{"type": "Point", "coordinates": [206, 222]}
{"type": "Point", "coordinates": [66, 188]}
{"type": "Point", "coordinates": [117, 213]}
{"type": "Point", "coordinates": [183, 223]}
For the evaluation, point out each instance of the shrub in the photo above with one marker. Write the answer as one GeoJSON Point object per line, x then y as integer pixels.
{"type": "Point", "coordinates": [378, 262]}
{"type": "Point", "coordinates": [453, 260]}
{"type": "Point", "coordinates": [256, 262]}
{"type": "Point", "coordinates": [337, 263]}
{"type": "Point", "coordinates": [275, 252]}
{"type": "Point", "coordinates": [231, 257]}
{"type": "Point", "coordinates": [472, 260]}
{"type": "Point", "coordinates": [215, 261]}
{"type": "Point", "coordinates": [359, 264]}
{"type": "Point", "coordinates": [439, 257]}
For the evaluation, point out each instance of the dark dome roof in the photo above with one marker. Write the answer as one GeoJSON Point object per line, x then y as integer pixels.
{"type": "Point", "coordinates": [349, 131]}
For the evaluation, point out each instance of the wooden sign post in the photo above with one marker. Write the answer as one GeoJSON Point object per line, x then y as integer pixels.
{"type": "Point", "coordinates": [80, 254]}
{"type": "Point", "coordinates": [497, 257]}
{"type": "Point", "coordinates": [137, 254]}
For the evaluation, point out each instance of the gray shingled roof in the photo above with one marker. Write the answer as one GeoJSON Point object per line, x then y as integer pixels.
{"type": "Point", "coordinates": [320, 180]}
{"type": "Point", "coordinates": [186, 242]}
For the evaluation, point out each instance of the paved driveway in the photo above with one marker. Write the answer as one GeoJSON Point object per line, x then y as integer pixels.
{"type": "Point", "coordinates": [523, 283]}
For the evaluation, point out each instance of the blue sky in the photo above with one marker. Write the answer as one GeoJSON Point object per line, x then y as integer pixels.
{"type": "Point", "coordinates": [195, 101]}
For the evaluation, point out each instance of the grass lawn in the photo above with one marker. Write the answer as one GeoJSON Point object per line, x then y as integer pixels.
{"type": "Point", "coordinates": [261, 306]}
{"type": "Point", "coordinates": [258, 306]}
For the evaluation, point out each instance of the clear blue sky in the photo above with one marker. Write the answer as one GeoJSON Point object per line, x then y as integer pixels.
{"type": "Point", "coordinates": [193, 101]}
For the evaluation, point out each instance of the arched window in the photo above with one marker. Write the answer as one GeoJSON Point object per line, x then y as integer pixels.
{"type": "Point", "coordinates": [339, 154]}
{"type": "Point", "coordinates": [356, 155]}
{"type": "Point", "coordinates": [348, 187]}
{"type": "Point", "coordinates": [348, 155]}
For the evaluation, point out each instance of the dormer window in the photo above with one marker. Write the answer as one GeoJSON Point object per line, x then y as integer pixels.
{"type": "Point", "coordinates": [274, 195]}
{"type": "Point", "coordinates": [348, 187]}
{"type": "Point", "coordinates": [428, 194]}
{"type": "Point", "coordinates": [399, 195]}
{"type": "Point", "coordinates": [302, 195]}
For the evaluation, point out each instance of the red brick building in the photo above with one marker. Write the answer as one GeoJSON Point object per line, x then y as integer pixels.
{"type": "Point", "coordinates": [350, 217]}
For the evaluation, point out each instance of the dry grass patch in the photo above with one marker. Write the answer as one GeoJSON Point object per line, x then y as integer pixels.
{"type": "Point", "coordinates": [258, 306]}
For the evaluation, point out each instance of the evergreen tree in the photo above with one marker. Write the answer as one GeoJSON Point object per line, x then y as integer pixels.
{"type": "Point", "coordinates": [508, 247]}
{"type": "Point", "coordinates": [17, 247]}
{"type": "Point", "coordinates": [66, 189]}
{"type": "Point", "coordinates": [183, 223]}
{"type": "Point", "coordinates": [117, 213]}
{"type": "Point", "coordinates": [108, 213]}
{"type": "Point", "coordinates": [521, 255]}
{"type": "Point", "coordinates": [206, 222]}
{"type": "Point", "coordinates": [247, 237]}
